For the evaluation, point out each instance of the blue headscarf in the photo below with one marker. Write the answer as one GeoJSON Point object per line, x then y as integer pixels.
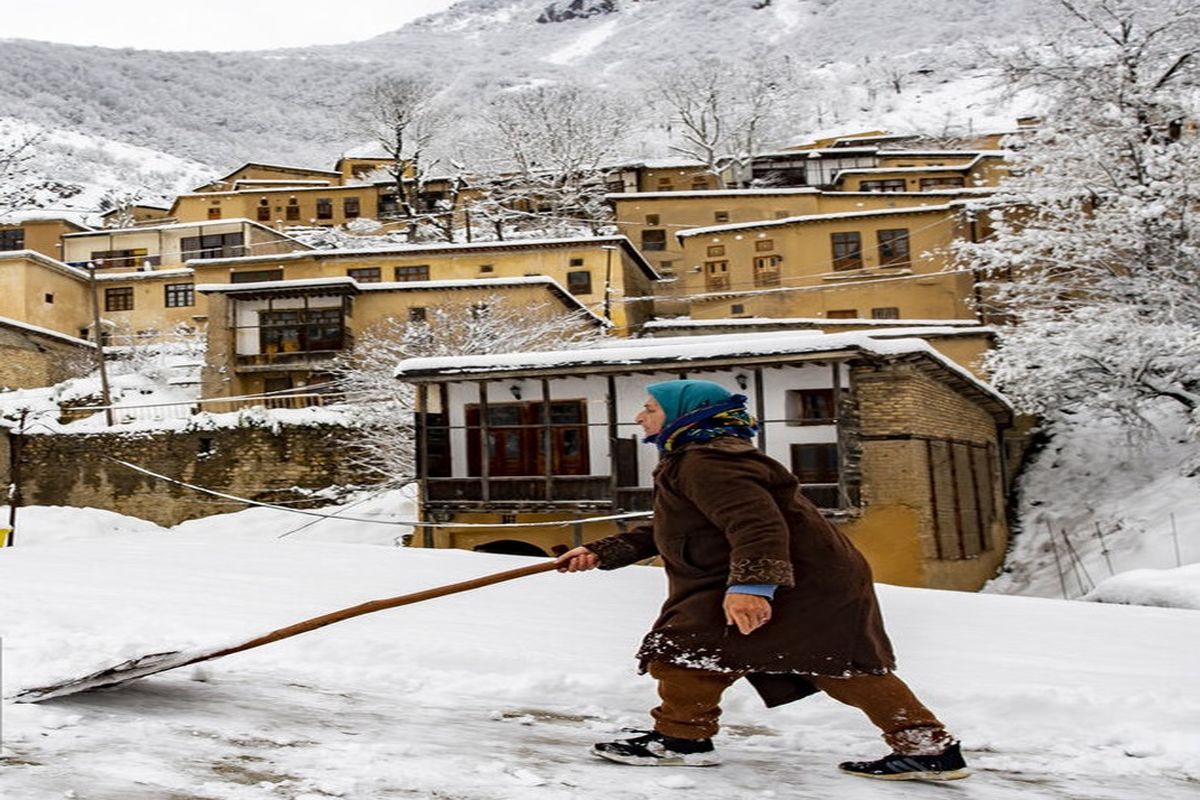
{"type": "Point", "coordinates": [699, 411]}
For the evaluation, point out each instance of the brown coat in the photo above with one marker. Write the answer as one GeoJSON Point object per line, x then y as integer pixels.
{"type": "Point", "coordinates": [724, 513]}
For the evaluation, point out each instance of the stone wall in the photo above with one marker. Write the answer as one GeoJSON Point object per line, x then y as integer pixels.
{"type": "Point", "coordinates": [257, 463]}
{"type": "Point", "coordinates": [29, 360]}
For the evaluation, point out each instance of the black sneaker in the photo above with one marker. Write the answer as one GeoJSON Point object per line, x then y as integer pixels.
{"type": "Point", "coordinates": [946, 766]}
{"type": "Point", "coordinates": [652, 749]}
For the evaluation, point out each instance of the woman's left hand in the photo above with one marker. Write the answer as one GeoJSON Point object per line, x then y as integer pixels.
{"type": "Point", "coordinates": [748, 611]}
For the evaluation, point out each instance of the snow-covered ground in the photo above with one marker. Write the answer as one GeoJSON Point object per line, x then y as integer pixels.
{"type": "Point", "coordinates": [498, 693]}
{"type": "Point", "coordinates": [1101, 501]}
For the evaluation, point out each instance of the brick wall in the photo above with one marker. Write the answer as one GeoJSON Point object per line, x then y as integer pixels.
{"type": "Point", "coordinates": [256, 463]}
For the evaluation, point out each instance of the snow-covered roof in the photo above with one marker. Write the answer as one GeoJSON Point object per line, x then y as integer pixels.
{"type": "Point", "coordinates": [348, 285]}
{"type": "Point", "coordinates": [153, 206]}
{"type": "Point", "coordinates": [650, 355]}
{"type": "Point", "coordinates": [283, 167]}
{"type": "Point", "coordinates": [751, 322]}
{"type": "Point", "coordinates": [168, 226]}
{"type": "Point", "coordinates": [706, 193]}
{"type": "Point", "coordinates": [43, 260]}
{"type": "Point", "coordinates": [9, 322]}
{"type": "Point", "coordinates": [775, 223]}
{"type": "Point", "coordinates": [147, 274]}
{"type": "Point", "coordinates": [38, 215]}
{"type": "Point", "coordinates": [276, 181]}
{"type": "Point", "coordinates": [469, 247]}
{"type": "Point", "coordinates": [665, 162]}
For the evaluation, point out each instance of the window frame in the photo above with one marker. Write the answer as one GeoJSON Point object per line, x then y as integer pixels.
{"type": "Point", "coordinates": [118, 298]}
{"type": "Point", "coordinates": [846, 250]}
{"type": "Point", "coordinates": [179, 295]}
{"type": "Point", "coordinates": [412, 273]}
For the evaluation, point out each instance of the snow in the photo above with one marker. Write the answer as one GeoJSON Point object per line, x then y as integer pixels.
{"type": "Point", "coordinates": [688, 322]}
{"type": "Point", "coordinates": [773, 223]}
{"type": "Point", "coordinates": [585, 44]}
{"type": "Point", "coordinates": [499, 692]}
{"type": "Point", "coordinates": [1169, 588]}
{"type": "Point", "coordinates": [16, 323]}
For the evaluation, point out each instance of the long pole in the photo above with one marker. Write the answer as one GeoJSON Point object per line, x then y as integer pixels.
{"type": "Point", "coordinates": [608, 249]}
{"type": "Point", "coordinates": [108, 414]}
{"type": "Point", "coordinates": [14, 491]}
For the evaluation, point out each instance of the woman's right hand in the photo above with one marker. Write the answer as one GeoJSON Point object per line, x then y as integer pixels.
{"type": "Point", "coordinates": [578, 560]}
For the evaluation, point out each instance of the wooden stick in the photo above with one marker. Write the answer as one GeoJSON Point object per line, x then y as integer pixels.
{"type": "Point", "coordinates": [390, 602]}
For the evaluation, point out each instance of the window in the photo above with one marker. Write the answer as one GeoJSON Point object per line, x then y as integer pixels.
{"type": "Point", "coordinates": [737, 308]}
{"type": "Point", "coordinates": [893, 247]}
{"type": "Point", "coordinates": [214, 212]}
{"type": "Point", "coordinates": [766, 270]}
{"type": "Point", "coordinates": [763, 245]}
{"type": "Point", "coordinates": [256, 275]}
{"type": "Point", "coordinates": [888, 312]}
{"type": "Point", "coordinates": [654, 240]}
{"type": "Point", "coordinates": [301, 330]}
{"type": "Point", "coordinates": [487, 268]}
{"type": "Point", "coordinates": [576, 262]}
{"type": "Point", "coordinates": [579, 282]}
{"type": "Point", "coordinates": [12, 239]}
{"type": "Point", "coordinates": [941, 183]}
{"type": "Point", "coordinates": [118, 299]}
{"type": "Point", "coordinates": [366, 274]}
{"type": "Point", "coordinates": [716, 275]}
{"type": "Point", "coordinates": [292, 212]}
{"type": "Point", "coordinates": [847, 250]}
{"type": "Point", "coordinates": [652, 220]}
{"type": "Point", "coordinates": [213, 245]}
{"type": "Point", "coordinates": [810, 407]}
{"type": "Point", "coordinates": [843, 313]}
{"type": "Point", "coordinates": [664, 185]}
{"type": "Point", "coordinates": [49, 298]}
{"type": "Point", "coordinates": [350, 207]}
{"type": "Point", "coordinates": [720, 216]}
{"type": "Point", "coordinates": [324, 208]}
{"type": "Point", "coordinates": [699, 182]}
{"type": "Point", "coordinates": [890, 185]}
{"type": "Point", "coordinates": [180, 295]}
{"type": "Point", "coordinates": [716, 250]}
{"type": "Point", "coordinates": [816, 466]}
{"type": "Point", "coordinates": [517, 434]}
{"type": "Point", "coordinates": [264, 210]}
{"type": "Point", "coordinates": [417, 273]}
{"type": "Point", "coordinates": [417, 314]}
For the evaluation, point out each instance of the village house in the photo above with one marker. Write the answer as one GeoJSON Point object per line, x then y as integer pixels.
{"type": "Point", "coordinates": [45, 293]}
{"type": "Point", "coordinates": [891, 263]}
{"type": "Point", "coordinates": [39, 234]}
{"type": "Point", "coordinates": [901, 448]}
{"type": "Point", "coordinates": [272, 336]}
{"type": "Point", "coordinates": [605, 273]}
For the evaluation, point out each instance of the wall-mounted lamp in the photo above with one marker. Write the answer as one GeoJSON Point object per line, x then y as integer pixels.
{"type": "Point", "coordinates": [516, 391]}
{"type": "Point", "coordinates": [742, 381]}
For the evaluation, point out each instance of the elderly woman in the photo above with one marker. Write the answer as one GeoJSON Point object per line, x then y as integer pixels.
{"type": "Point", "coordinates": [761, 587]}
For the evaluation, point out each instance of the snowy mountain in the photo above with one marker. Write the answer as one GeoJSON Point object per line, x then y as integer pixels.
{"type": "Point", "coordinates": [915, 64]}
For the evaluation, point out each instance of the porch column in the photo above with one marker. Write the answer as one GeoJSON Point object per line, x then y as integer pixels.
{"type": "Point", "coordinates": [484, 445]}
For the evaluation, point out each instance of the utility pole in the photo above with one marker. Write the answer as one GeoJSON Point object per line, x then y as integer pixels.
{"type": "Point", "coordinates": [14, 489]}
{"type": "Point", "coordinates": [108, 414]}
{"type": "Point", "coordinates": [608, 250]}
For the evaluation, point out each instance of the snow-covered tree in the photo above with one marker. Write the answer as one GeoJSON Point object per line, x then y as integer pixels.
{"type": "Point", "coordinates": [1095, 250]}
{"type": "Point", "coordinates": [542, 155]}
{"type": "Point", "coordinates": [721, 113]}
{"type": "Point", "coordinates": [385, 405]}
{"type": "Point", "coordinates": [21, 186]}
{"type": "Point", "coordinates": [405, 117]}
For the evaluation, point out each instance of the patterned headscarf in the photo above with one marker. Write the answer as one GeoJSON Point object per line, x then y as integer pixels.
{"type": "Point", "coordinates": [699, 411]}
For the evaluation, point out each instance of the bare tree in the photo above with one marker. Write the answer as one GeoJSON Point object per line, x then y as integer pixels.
{"type": "Point", "coordinates": [720, 113]}
{"type": "Point", "coordinates": [384, 405]}
{"type": "Point", "coordinates": [543, 152]}
{"type": "Point", "coordinates": [404, 116]}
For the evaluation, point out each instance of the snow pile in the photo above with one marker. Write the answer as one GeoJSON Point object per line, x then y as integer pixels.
{"type": "Point", "coordinates": [1168, 588]}
{"type": "Point", "coordinates": [498, 693]}
{"type": "Point", "coordinates": [1098, 501]}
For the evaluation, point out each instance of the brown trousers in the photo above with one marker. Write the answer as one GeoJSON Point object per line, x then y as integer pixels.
{"type": "Point", "coordinates": [691, 707]}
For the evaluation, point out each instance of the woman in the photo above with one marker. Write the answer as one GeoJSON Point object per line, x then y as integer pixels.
{"type": "Point", "coordinates": [761, 587]}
